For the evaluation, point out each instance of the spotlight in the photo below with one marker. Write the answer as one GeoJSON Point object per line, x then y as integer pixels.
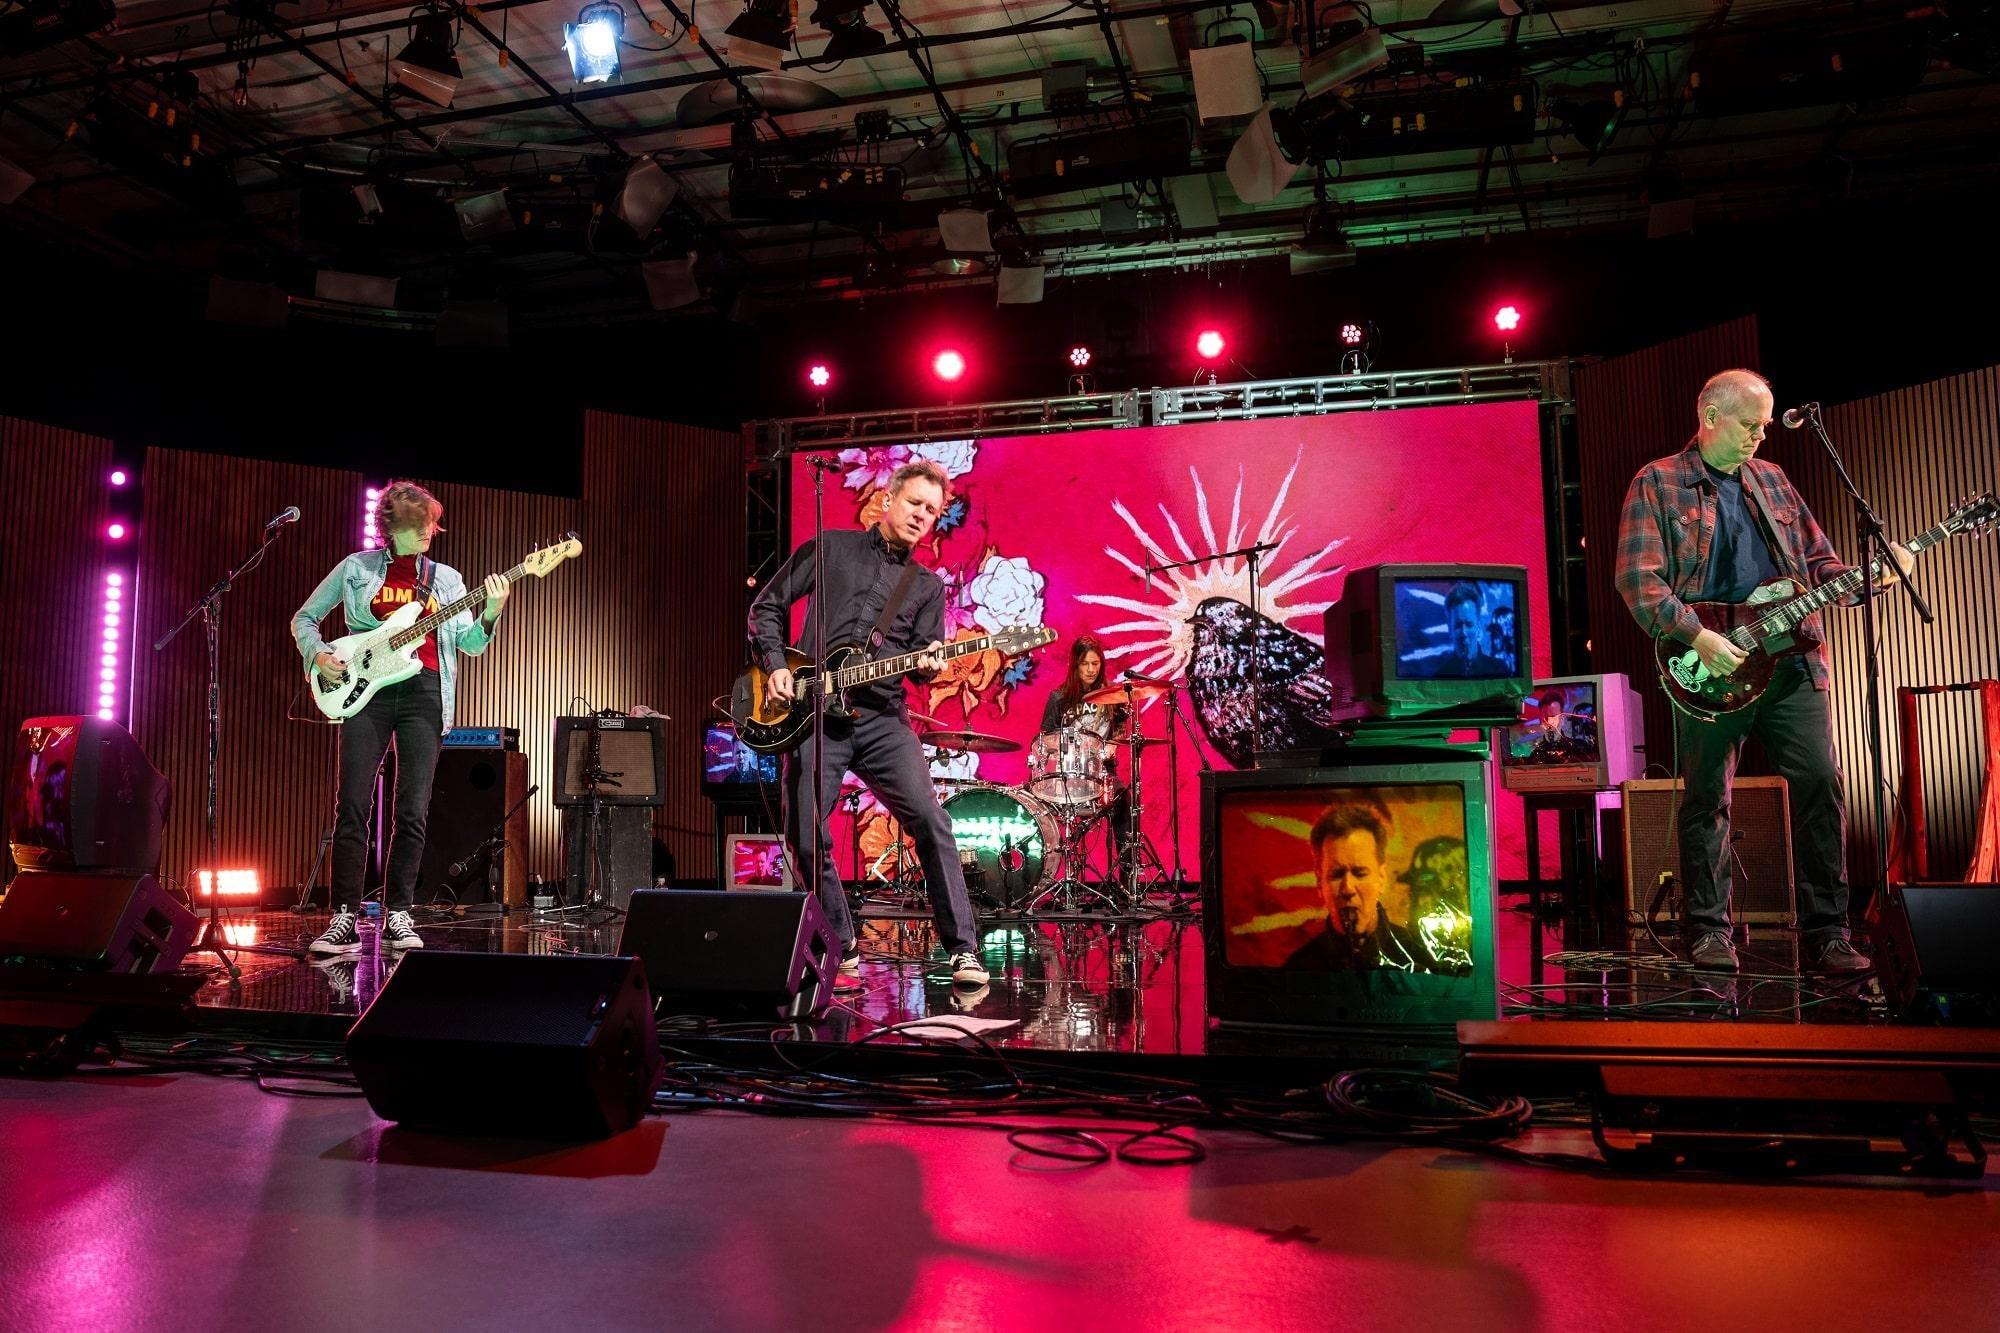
{"type": "Point", "coordinates": [1591, 121]}
{"type": "Point", "coordinates": [761, 35]}
{"type": "Point", "coordinates": [1351, 334]}
{"type": "Point", "coordinates": [1507, 318]}
{"type": "Point", "coordinates": [948, 365]}
{"type": "Point", "coordinates": [1210, 342]}
{"type": "Point", "coordinates": [115, 531]}
{"type": "Point", "coordinates": [1343, 62]}
{"type": "Point", "coordinates": [1079, 356]}
{"type": "Point", "coordinates": [820, 375]}
{"type": "Point", "coordinates": [426, 66]}
{"type": "Point", "coordinates": [1267, 155]}
{"type": "Point", "coordinates": [118, 477]}
{"type": "Point", "coordinates": [1323, 247]}
{"type": "Point", "coordinates": [848, 32]}
{"type": "Point", "coordinates": [592, 41]}
{"type": "Point", "coordinates": [646, 193]}
{"type": "Point", "coordinates": [1357, 346]}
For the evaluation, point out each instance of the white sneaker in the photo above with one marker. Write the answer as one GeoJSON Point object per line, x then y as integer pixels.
{"type": "Point", "coordinates": [340, 936]}
{"type": "Point", "coordinates": [967, 970]}
{"type": "Point", "coordinates": [401, 933]}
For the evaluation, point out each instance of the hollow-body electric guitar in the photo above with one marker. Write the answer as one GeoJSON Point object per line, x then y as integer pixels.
{"type": "Point", "coordinates": [766, 725]}
{"type": "Point", "coordinates": [1771, 625]}
{"type": "Point", "coordinates": [388, 653]}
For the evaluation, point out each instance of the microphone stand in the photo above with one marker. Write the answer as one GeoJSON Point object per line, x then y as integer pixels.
{"type": "Point", "coordinates": [819, 468]}
{"type": "Point", "coordinates": [1874, 546]}
{"type": "Point", "coordinates": [209, 607]}
{"type": "Point", "coordinates": [1253, 553]}
{"type": "Point", "coordinates": [495, 840]}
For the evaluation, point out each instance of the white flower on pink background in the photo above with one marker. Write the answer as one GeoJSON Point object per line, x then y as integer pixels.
{"type": "Point", "coordinates": [1006, 591]}
{"type": "Point", "coordinates": [956, 457]}
{"type": "Point", "coordinates": [870, 469]}
{"type": "Point", "coordinates": [958, 610]}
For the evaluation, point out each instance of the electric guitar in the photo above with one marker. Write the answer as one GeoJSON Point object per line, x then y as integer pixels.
{"type": "Point", "coordinates": [388, 653]}
{"type": "Point", "coordinates": [1771, 625]}
{"type": "Point", "coordinates": [770, 727]}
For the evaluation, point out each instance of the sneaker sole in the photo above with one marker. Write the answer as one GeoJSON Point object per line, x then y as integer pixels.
{"type": "Point", "coordinates": [971, 978]}
{"type": "Point", "coordinates": [404, 944]}
{"type": "Point", "coordinates": [333, 950]}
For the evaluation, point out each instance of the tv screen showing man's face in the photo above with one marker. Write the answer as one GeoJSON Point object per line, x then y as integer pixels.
{"type": "Point", "coordinates": [1455, 628]}
{"type": "Point", "coordinates": [1556, 726]}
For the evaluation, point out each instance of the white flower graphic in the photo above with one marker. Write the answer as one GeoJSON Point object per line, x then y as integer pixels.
{"type": "Point", "coordinates": [1005, 591]}
{"type": "Point", "coordinates": [956, 457]}
{"type": "Point", "coordinates": [870, 469]}
{"type": "Point", "coordinates": [958, 608]}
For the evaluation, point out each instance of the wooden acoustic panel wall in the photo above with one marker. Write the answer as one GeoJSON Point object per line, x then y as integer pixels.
{"type": "Point", "coordinates": [57, 494]}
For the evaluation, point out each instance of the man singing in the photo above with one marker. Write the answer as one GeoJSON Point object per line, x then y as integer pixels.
{"type": "Point", "coordinates": [864, 572]}
{"type": "Point", "coordinates": [1349, 847]}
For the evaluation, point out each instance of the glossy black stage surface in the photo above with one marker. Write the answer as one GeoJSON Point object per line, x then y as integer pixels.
{"type": "Point", "coordinates": [1080, 984]}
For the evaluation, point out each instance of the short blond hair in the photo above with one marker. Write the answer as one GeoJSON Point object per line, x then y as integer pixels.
{"type": "Point", "coordinates": [1728, 389]}
{"type": "Point", "coordinates": [927, 469]}
{"type": "Point", "coordinates": [404, 504]}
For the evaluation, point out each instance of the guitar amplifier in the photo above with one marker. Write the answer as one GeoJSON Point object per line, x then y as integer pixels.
{"type": "Point", "coordinates": [1761, 838]}
{"type": "Point", "coordinates": [632, 749]}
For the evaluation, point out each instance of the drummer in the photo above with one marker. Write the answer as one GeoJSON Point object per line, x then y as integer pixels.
{"type": "Point", "coordinates": [1066, 709]}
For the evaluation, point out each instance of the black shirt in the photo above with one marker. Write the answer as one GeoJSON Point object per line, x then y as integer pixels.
{"type": "Point", "coordinates": [1739, 558]}
{"type": "Point", "coordinates": [861, 572]}
{"type": "Point", "coordinates": [1391, 947]}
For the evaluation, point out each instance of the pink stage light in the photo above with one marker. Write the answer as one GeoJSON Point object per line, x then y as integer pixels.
{"type": "Point", "coordinates": [115, 531]}
{"type": "Point", "coordinates": [1210, 342]}
{"type": "Point", "coordinates": [118, 477]}
{"type": "Point", "coordinates": [1079, 356]}
{"type": "Point", "coordinates": [1507, 318]}
{"type": "Point", "coordinates": [1351, 334]}
{"type": "Point", "coordinates": [114, 579]}
{"type": "Point", "coordinates": [948, 365]}
{"type": "Point", "coordinates": [820, 375]}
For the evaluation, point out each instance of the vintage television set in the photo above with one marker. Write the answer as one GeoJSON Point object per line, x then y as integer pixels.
{"type": "Point", "coordinates": [758, 861]}
{"type": "Point", "coordinates": [1416, 640]}
{"type": "Point", "coordinates": [1575, 733]}
{"type": "Point", "coordinates": [729, 768]}
{"type": "Point", "coordinates": [1358, 898]}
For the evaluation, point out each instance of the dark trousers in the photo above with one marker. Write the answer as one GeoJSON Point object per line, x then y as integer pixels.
{"type": "Point", "coordinates": [1792, 722]}
{"type": "Point", "coordinates": [883, 752]}
{"type": "Point", "coordinates": [410, 713]}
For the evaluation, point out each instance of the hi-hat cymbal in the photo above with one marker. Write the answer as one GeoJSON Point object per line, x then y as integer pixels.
{"type": "Point", "coordinates": [968, 742]}
{"type": "Point", "coordinates": [1136, 691]}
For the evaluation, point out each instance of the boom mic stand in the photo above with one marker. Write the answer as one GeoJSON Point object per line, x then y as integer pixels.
{"type": "Point", "coordinates": [1253, 553]}
{"type": "Point", "coordinates": [484, 852]}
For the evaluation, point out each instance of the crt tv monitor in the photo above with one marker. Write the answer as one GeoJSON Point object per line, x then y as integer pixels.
{"type": "Point", "coordinates": [1358, 898]}
{"type": "Point", "coordinates": [758, 861]}
{"type": "Point", "coordinates": [1409, 640]}
{"type": "Point", "coordinates": [1574, 733]}
{"type": "Point", "coordinates": [728, 766]}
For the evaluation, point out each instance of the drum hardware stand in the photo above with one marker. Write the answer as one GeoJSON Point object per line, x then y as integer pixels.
{"type": "Point", "coordinates": [1139, 848]}
{"type": "Point", "coordinates": [1176, 721]}
{"type": "Point", "coordinates": [1075, 830]}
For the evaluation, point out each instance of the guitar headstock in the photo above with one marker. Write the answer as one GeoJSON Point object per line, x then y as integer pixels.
{"type": "Point", "coordinates": [1018, 639]}
{"type": "Point", "coordinates": [540, 562]}
{"type": "Point", "coordinates": [1975, 514]}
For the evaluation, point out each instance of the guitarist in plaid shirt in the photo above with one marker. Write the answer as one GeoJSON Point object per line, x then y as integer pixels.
{"type": "Point", "coordinates": [1708, 525]}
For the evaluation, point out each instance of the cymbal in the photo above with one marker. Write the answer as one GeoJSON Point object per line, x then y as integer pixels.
{"type": "Point", "coordinates": [968, 742]}
{"type": "Point", "coordinates": [1141, 741]}
{"type": "Point", "coordinates": [1136, 691]}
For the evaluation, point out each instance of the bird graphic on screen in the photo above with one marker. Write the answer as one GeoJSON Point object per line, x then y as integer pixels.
{"type": "Point", "coordinates": [1296, 700]}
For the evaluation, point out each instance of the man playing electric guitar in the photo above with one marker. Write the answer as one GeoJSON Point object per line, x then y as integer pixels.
{"type": "Point", "coordinates": [1709, 525]}
{"type": "Point", "coordinates": [369, 586]}
{"type": "Point", "coordinates": [868, 573]}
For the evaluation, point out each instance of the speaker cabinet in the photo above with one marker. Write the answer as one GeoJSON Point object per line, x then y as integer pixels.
{"type": "Point", "coordinates": [1761, 835]}
{"type": "Point", "coordinates": [1934, 948]}
{"type": "Point", "coordinates": [472, 790]}
{"type": "Point", "coordinates": [537, 1046]}
{"type": "Point", "coordinates": [632, 751]}
{"type": "Point", "coordinates": [615, 857]}
{"type": "Point", "coordinates": [718, 953]}
{"type": "Point", "coordinates": [111, 923]}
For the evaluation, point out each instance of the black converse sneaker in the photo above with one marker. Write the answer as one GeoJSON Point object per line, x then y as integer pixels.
{"type": "Point", "coordinates": [340, 936]}
{"type": "Point", "coordinates": [401, 933]}
{"type": "Point", "coordinates": [850, 960]}
{"type": "Point", "coordinates": [967, 970]}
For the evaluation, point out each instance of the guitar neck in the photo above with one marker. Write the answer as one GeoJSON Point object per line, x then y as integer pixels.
{"type": "Point", "coordinates": [428, 625]}
{"type": "Point", "coordinates": [868, 672]}
{"type": "Point", "coordinates": [1846, 585]}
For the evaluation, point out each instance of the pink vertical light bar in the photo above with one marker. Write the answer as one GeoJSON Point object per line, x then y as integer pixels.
{"type": "Point", "coordinates": [370, 538]}
{"type": "Point", "coordinates": [109, 662]}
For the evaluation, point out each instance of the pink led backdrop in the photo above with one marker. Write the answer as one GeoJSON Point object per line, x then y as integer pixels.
{"type": "Point", "coordinates": [1056, 529]}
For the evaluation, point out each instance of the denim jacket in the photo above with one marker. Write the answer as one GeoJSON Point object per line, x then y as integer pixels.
{"type": "Point", "coordinates": [352, 586]}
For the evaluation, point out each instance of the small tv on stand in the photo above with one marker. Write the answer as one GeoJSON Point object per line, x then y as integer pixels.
{"type": "Point", "coordinates": [1575, 733]}
{"type": "Point", "coordinates": [1409, 641]}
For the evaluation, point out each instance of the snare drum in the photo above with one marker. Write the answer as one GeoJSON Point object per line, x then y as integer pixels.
{"type": "Point", "coordinates": [1068, 768]}
{"type": "Point", "coordinates": [1005, 833]}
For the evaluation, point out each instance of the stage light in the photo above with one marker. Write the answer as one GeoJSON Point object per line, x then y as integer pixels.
{"type": "Point", "coordinates": [1590, 120]}
{"type": "Point", "coordinates": [849, 35]}
{"type": "Point", "coordinates": [1079, 356]}
{"type": "Point", "coordinates": [240, 885]}
{"type": "Point", "coordinates": [115, 531]}
{"type": "Point", "coordinates": [646, 193]}
{"type": "Point", "coordinates": [1350, 334]}
{"type": "Point", "coordinates": [948, 365]}
{"type": "Point", "coordinates": [592, 41]}
{"type": "Point", "coordinates": [426, 67]}
{"type": "Point", "coordinates": [1210, 342]}
{"type": "Point", "coordinates": [371, 537]}
{"type": "Point", "coordinates": [1507, 319]}
{"type": "Point", "coordinates": [761, 35]}
{"type": "Point", "coordinates": [820, 375]}
{"type": "Point", "coordinates": [118, 477]}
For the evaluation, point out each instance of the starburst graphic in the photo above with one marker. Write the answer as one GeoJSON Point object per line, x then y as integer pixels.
{"type": "Point", "coordinates": [1164, 629]}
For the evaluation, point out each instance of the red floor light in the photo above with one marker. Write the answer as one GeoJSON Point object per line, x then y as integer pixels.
{"type": "Point", "coordinates": [948, 366]}
{"type": "Point", "coordinates": [1209, 342]}
{"type": "Point", "coordinates": [1507, 318]}
{"type": "Point", "coordinates": [1079, 356]}
{"type": "Point", "coordinates": [820, 375]}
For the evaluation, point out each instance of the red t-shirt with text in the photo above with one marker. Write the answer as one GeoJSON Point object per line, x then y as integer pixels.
{"type": "Point", "coordinates": [398, 589]}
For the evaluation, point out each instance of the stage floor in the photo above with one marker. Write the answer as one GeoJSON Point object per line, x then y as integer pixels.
{"type": "Point", "coordinates": [1132, 987]}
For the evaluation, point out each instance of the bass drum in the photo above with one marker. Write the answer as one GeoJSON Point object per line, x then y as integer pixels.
{"type": "Point", "coordinates": [1003, 834]}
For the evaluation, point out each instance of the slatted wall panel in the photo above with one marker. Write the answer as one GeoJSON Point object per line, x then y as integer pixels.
{"type": "Point", "coordinates": [203, 514]}
{"type": "Point", "coordinates": [1915, 453]}
{"type": "Point", "coordinates": [665, 504]}
{"type": "Point", "coordinates": [1631, 410]}
{"type": "Point", "coordinates": [51, 575]}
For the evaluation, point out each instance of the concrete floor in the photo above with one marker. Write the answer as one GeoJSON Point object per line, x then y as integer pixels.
{"type": "Point", "coordinates": [189, 1202]}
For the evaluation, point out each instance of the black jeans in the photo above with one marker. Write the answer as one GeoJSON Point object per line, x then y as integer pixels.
{"type": "Point", "coordinates": [883, 752]}
{"type": "Point", "coordinates": [1792, 722]}
{"type": "Point", "coordinates": [410, 712]}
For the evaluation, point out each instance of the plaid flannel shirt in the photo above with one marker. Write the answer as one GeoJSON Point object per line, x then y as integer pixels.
{"type": "Point", "coordinates": [1668, 526]}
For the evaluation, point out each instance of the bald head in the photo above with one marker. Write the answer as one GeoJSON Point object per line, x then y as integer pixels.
{"type": "Point", "coordinates": [1733, 411]}
{"type": "Point", "coordinates": [1731, 391]}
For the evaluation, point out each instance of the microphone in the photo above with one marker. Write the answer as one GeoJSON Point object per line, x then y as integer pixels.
{"type": "Point", "coordinates": [820, 464]}
{"type": "Point", "coordinates": [1796, 417]}
{"type": "Point", "coordinates": [290, 515]}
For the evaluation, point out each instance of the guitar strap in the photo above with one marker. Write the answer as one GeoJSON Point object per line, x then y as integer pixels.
{"type": "Point", "coordinates": [426, 571]}
{"type": "Point", "coordinates": [894, 604]}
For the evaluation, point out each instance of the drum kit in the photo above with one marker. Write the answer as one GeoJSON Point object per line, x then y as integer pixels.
{"type": "Point", "coordinates": [1029, 848]}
